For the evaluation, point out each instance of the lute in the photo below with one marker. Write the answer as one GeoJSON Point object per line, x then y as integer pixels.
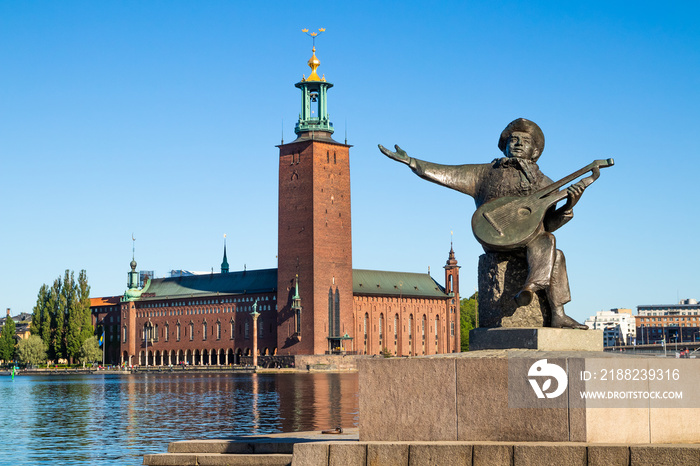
{"type": "Point", "coordinates": [512, 222]}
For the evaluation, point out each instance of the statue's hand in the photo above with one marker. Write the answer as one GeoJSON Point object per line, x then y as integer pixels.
{"type": "Point", "coordinates": [400, 155]}
{"type": "Point", "coordinates": [574, 193]}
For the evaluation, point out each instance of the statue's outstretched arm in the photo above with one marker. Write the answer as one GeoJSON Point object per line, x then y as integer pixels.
{"type": "Point", "coordinates": [463, 178]}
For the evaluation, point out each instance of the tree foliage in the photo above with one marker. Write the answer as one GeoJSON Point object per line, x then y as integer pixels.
{"type": "Point", "coordinates": [62, 317]}
{"type": "Point", "coordinates": [7, 340]}
{"type": "Point", "coordinates": [467, 318]}
{"type": "Point", "coordinates": [90, 351]}
{"type": "Point", "coordinates": [32, 351]}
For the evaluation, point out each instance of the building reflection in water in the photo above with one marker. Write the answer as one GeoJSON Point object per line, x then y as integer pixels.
{"type": "Point", "coordinates": [103, 419]}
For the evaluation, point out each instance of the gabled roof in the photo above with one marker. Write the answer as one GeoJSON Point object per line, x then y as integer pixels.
{"type": "Point", "coordinates": [381, 283]}
{"type": "Point", "coordinates": [106, 301]}
{"type": "Point", "coordinates": [248, 281]}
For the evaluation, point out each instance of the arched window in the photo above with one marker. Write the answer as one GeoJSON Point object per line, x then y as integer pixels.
{"type": "Point", "coordinates": [177, 331]}
{"type": "Point", "coordinates": [191, 331]}
{"type": "Point", "coordinates": [422, 327]}
{"type": "Point", "coordinates": [204, 331]}
{"type": "Point", "coordinates": [233, 328]}
{"type": "Point", "coordinates": [167, 332]}
{"type": "Point", "coordinates": [381, 326]}
{"type": "Point", "coordinates": [124, 336]}
{"type": "Point", "coordinates": [410, 326]}
{"type": "Point", "coordinates": [218, 330]}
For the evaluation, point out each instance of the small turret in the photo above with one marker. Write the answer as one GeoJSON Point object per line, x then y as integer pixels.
{"type": "Point", "coordinates": [452, 273]}
{"type": "Point", "coordinates": [132, 293]}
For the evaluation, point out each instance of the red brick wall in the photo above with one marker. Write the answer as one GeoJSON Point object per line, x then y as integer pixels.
{"type": "Point", "coordinates": [376, 307]}
{"type": "Point", "coordinates": [167, 313]}
{"type": "Point", "coordinates": [315, 241]}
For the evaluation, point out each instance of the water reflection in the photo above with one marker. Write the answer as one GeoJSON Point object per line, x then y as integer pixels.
{"type": "Point", "coordinates": [116, 419]}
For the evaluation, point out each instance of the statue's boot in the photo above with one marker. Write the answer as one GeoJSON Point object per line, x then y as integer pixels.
{"type": "Point", "coordinates": [524, 297]}
{"type": "Point", "coordinates": [561, 320]}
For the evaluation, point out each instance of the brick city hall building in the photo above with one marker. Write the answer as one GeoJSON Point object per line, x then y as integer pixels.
{"type": "Point", "coordinates": [313, 303]}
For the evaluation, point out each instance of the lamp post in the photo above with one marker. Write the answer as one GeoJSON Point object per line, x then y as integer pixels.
{"type": "Point", "coordinates": [147, 334]}
{"type": "Point", "coordinates": [255, 314]}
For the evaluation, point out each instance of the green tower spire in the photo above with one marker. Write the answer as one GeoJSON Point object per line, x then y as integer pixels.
{"type": "Point", "coordinates": [224, 264]}
{"type": "Point", "coordinates": [133, 293]}
{"type": "Point", "coordinates": [314, 90]}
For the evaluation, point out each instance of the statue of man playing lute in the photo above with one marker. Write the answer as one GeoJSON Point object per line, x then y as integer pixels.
{"type": "Point", "coordinates": [516, 208]}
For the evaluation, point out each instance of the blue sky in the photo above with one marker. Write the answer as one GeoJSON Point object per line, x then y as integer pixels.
{"type": "Point", "coordinates": [161, 119]}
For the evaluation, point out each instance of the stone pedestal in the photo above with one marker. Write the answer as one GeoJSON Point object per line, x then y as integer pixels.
{"type": "Point", "coordinates": [489, 396]}
{"type": "Point", "coordinates": [542, 338]}
{"type": "Point", "coordinates": [501, 277]}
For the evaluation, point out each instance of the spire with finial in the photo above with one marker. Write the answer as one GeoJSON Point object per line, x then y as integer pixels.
{"type": "Point", "coordinates": [314, 109]}
{"type": "Point", "coordinates": [313, 61]}
{"type": "Point", "coordinates": [132, 293]}
{"type": "Point", "coordinates": [451, 261]}
{"type": "Point", "coordinates": [224, 264]}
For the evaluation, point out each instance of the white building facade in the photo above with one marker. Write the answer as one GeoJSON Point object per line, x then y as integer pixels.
{"type": "Point", "coordinates": [618, 326]}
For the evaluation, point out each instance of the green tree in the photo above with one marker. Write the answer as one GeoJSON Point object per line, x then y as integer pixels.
{"type": "Point", "coordinates": [78, 320]}
{"type": "Point", "coordinates": [467, 318]}
{"type": "Point", "coordinates": [86, 328]}
{"type": "Point", "coordinates": [7, 340]}
{"type": "Point", "coordinates": [90, 351]}
{"type": "Point", "coordinates": [41, 315]}
{"type": "Point", "coordinates": [32, 351]}
{"type": "Point", "coordinates": [56, 348]}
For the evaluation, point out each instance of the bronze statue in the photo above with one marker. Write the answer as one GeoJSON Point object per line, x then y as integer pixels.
{"type": "Point", "coordinates": [516, 208]}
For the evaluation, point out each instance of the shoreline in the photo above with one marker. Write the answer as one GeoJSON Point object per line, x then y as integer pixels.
{"type": "Point", "coordinates": [168, 370]}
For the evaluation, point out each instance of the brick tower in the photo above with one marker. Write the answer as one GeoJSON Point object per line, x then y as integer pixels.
{"type": "Point", "coordinates": [452, 289]}
{"type": "Point", "coordinates": [314, 284]}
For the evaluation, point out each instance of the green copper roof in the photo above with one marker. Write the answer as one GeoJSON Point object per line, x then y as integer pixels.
{"type": "Point", "coordinates": [249, 281]}
{"type": "Point", "coordinates": [377, 283]}
{"type": "Point", "coordinates": [365, 282]}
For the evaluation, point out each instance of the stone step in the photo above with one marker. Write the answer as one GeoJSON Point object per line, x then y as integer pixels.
{"type": "Point", "coordinates": [217, 459]}
{"type": "Point", "coordinates": [245, 445]}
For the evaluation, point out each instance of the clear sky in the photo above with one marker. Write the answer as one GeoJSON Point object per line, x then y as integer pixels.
{"type": "Point", "coordinates": [161, 119]}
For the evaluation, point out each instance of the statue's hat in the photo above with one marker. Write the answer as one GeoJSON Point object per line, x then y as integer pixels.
{"type": "Point", "coordinates": [526, 126]}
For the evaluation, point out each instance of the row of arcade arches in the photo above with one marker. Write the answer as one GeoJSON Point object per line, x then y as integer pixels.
{"type": "Point", "coordinates": [220, 357]}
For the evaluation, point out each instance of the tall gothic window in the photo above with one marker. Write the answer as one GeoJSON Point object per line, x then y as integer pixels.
{"type": "Point", "coordinates": [204, 331]}
{"type": "Point", "coordinates": [333, 313]}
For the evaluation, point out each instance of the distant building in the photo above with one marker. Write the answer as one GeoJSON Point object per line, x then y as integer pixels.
{"type": "Point", "coordinates": [145, 275]}
{"type": "Point", "coordinates": [672, 323]}
{"type": "Point", "coordinates": [106, 319]}
{"type": "Point", "coordinates": [23, 323]}
{"type": "Point", "coordinates": [618, 326]}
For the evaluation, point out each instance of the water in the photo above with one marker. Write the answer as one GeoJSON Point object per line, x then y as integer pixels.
{"type": "Point", "coordinates": [115, 419]}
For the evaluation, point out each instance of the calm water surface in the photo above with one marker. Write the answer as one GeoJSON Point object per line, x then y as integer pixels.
{"type": "Point", "coordinates": [113, 419]}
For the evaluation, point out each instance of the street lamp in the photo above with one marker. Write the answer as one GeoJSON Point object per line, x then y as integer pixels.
{"type": "Point", "coordinates": [147, 333]}
{"type": "Point", "coordinates": [255, 314]}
